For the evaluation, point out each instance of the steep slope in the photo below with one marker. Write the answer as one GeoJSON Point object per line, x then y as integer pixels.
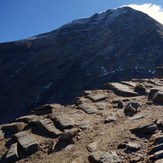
{"type": "Point", "coordinates": [84, 54]}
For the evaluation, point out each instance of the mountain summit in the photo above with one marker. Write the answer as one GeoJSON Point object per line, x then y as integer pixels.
{"type": "Point", "coordinates": [55, 67]}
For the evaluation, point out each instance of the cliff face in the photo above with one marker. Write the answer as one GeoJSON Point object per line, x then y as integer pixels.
{"type": "Point", "coordinates": [55, 67]}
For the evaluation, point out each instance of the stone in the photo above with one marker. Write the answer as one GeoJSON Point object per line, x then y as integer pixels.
{"type": "Point", "coordinates": [121, 89]}
{"type": "Point", "coordinates": [84, 125]}
{"type": "Point", "coordinates": [158, 155]}
{"type": "Point", "coordinates": [159, 161]}
{"type": "Point", "coordinates": [68, 135]}
{"type": "Point", "coordinates": [153, 92]}
{"type": "Point", "coordinates": [1, 135]}
{"type": "Point", "coordinates": [145, 129]}
{"type": "Point", "coordinates": [110, 119]}
{"type": "Point", "coordinates": [137, 117]}
{"type": "Point", "coordinates": [63, 121]}
{"type": "Point", "coordinates": [101, 105]}
{"type": "Point", "coordinates": [104, 157]}
{"type": "Point", "coordinates": [14, 127]}
{"type": "Point", "coordinates": [140, 89]}
{"type": "Point", "coordinates": [133, 146]}
{"type": "Point", "coordinates": [120, 104]}
{"type": "Point", "coordinates": [12, 153]}
{"type": "Point", "coordinates": [47, 125]}
{"type": "Point", "coordinates": [28, 144]}
{"type": "Point", "coordinates": [159, 97]}
{"type": "Point", "coordinates": [92, 147]}
{"type": "Point", "coordinates": [97, 97]}
{"type": "Point", "coordinates": [27, 119]}
{"type": "Point", "coordinates": [131, 108]}
{"type": "Point", "coordinates": [42, 110]}
{"type": "Point", "coordinates": [156, 148]}
{"type": "Point", "coordinates": [87, 108]}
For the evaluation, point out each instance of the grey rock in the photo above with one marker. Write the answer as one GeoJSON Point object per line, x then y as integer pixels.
{"type": "Point", "coordinates": [97, 97]}
{"type": "Point", "coordinates": [131, 108]}
{"type": "Point", "coordinates": [47, 125]}
{"type": "Point", "coordinates": [137, 117]}
{"type": "Point", "coordinates": [92, 147]}
{"type": "Point", "coordinates": [27, 119]}
{"type": "Point", "coordinates": [156, 148]}
{"type": "Point", "coordinates": [121, 89]}
{"type": "Point", "coordinates": [28, 144]}
{"type": "Point", "coordinates": [84, 125]}
{"type": "Point", "coordinates": [63, 121]}
{"type": "Point", "coordinates": [104, 157]}
{"type": "Point", "coordinates": [153, 92]}
{"type": "Point", "coordinates": [140, 89]}
{"type": "Point", "coordinates": [1, 135]}
{"type": "Point", "coordinates": [133, 146]}
{"type": "Point", "coordinates": [14, 127]}
{"type": "Point", "coordinates": [145, 129]}
{"type": "Point", "coordinates": [110, 119]}
{"type": "Point", "coordinates": [42, 110]}
{"type": "Point", "coordinates": [68, 135]}
{"type": "Point", "coordinates": [158, 97]}
{"type": "Point", "coordinates": [12, 153]}
{"type": "Point", "coordinates": [87, 108]}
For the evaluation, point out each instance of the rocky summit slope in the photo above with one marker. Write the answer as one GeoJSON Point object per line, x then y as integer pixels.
{"type": "Point", "coordinates": [121, 123]}
{"type": "Point", "coordinates": [115, 45]}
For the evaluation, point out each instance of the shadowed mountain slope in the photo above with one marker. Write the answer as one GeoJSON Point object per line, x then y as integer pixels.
{"type": "Point", "coordinates": [53, 67]}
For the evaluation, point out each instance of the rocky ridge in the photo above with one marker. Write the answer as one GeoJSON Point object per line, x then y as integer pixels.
{"type": "Point", "coordinates": [120, 123]}
{"type": "Point", "coordinates": [55, 67]}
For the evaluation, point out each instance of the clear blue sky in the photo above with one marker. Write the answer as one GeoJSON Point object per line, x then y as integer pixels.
{"type": "Point", "coordinates": [20, 19]}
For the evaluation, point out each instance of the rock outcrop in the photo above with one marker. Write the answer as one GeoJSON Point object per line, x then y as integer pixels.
{"type": "Point", "coordinates": [73, 133]}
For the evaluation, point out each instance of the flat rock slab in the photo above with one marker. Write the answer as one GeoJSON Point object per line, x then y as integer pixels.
{"type": "Point", "coordinates": [97, 97]}
{"type": "Point", "coordinates": [12, 154]}
{"type": "Point", "coordinates": [145, 129]}
{"type": "Point", "coordinates": [14, 127]}
{"type": "Point", "coordinates": [88, 108]}
{"type": "Point", "coordinates": [27, 119]}
{"type": "Point", "coordinates": [27, 142]}
{"type": "Point", "coordinates": [63, 121]}
{"type": "Point", "coordinates": [44, 109]}
{"type": "Point", "coordinates": [104, 157]}
{"type": "Point", "coordinates": [121, 89]}
{"type": "Point", "coordinates": [47, 125]}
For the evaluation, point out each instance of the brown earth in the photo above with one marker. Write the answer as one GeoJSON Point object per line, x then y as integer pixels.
{"type": "Point", "coordinates": [99, 122]}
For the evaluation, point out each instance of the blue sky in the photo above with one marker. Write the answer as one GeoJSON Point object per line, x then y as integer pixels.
{"type": "Point", "coordinates": [21, 19]}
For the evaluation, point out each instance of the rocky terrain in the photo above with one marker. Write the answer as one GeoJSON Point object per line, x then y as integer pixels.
{"type": "Point", "coordinates": [120, 123]}
{"type": "Point", "coordinates": [55, 67]}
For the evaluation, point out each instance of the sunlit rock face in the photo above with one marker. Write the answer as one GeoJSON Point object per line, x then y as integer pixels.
{"type": "Point", "coordinates": [55, 67]}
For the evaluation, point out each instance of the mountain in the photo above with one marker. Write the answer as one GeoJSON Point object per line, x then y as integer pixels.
{"type": "Point", "coordinates": [55, 67]}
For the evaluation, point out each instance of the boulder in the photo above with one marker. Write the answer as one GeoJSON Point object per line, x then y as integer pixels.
{"type": "Point", "coordinates": [88, 108]}
{"type": "Point", "coordinates": [145, 129]}
{"type": "Point", "coordinates": [104, 157]}
{"type": "Point", "coordinates": [27, 119]}
{"type": "Point", "coordinates": [153, 92]}
{"type": "Point", "coordinates": [110, 119]}
{"type": "Point", "coordinates": [121, 89]}
{"type": "Point", "coordinates": [63, 121]}
{"type": "Point", "coordinates": [28, 144]}
{"type": "Point", "coordinates": [47, 126]}
{"type": "Point", "coordinates": [68, 135]}
{"type": "Point", "coordinates": [92, 147]}
{"type": "Point", "coordinates": [97, 97]}
{"type": "Point", "coordinates": [14, 127]}
{"type": "Point", "coordinates": [140, 89]}
{"type": "Point", "coordinates": [158, 98]}
{"type": "Point", "coordinates": [12, 153]}
{"type": "Point", "coordinates": [131, 108]}
{"type": "Point", "coordinates": [132, 147]}
{"type": "Point", "coordinates": [42, 110]}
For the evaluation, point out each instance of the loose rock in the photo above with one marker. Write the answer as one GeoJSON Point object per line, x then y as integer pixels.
{"type": "Point", "coordinates": [104, 157]}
